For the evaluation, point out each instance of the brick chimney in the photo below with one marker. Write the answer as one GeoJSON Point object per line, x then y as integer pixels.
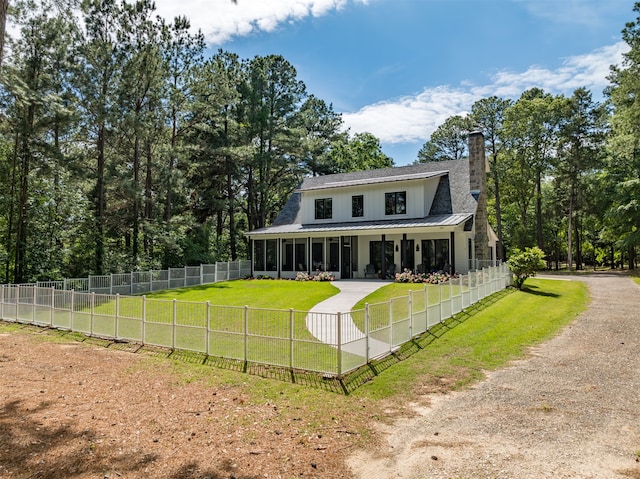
{"type": "Point", "coordinates": [478, 185]}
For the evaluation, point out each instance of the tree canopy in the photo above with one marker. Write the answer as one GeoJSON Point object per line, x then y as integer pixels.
{"type": "Point", "coordinates": [125, 145]}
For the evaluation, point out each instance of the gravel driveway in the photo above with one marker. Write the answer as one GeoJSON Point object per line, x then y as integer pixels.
{"type": "Point", "coordinates": [570, 410]}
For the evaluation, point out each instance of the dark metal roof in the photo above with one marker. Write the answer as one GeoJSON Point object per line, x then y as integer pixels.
{"type": "Point", "coordinates": [429, 221]}
{"type": "Point", "coordinates": [368, 180]}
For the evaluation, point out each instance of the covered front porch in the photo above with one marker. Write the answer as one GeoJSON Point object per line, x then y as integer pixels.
{"type": "Point", "coordinates": [363, 254]}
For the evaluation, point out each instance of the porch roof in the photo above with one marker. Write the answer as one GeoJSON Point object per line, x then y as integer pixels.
{"type": "Point", "coordinates": [426, 222]}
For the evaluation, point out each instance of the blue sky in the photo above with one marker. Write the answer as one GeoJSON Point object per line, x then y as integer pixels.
{"type": "Point", "coordinates": [399, 68]}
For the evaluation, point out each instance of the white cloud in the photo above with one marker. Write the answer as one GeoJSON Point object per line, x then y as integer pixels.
{"type": "Point", "coordinates": [414, 118]}
{"type": "Point", "coordinates": [411, 118]}
{"type": "Point", "coordinates": [220, 20]}
{"type": "Point", "coordinates": [588, 13]}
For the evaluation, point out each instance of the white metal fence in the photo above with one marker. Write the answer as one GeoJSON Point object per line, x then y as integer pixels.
{"type": "Point", "coordinates": [138, 282]}
{"type": "Point", "coordinates": [332, 344]}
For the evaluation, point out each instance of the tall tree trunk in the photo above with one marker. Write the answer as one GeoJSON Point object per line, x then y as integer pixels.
{"type": "Point", "coordinates": [578, 242]}
{"type": "Point", "coordinates": [540, 237]}
{"type": "Point", "coordinates": [20, 264]}
{"type": "Point", "coordinates": [4, 4]}
{"type": "Point", "coordinates": [570, 232]}
{"type": "Point", "coordinates": [230, 194]}
{"type": "Point", "coordinates": [136, 200]}
{"type": "Point", "coordinates": [100, 202]}
{"type": "Point", "coordinates": [148, 200]}
{"type": "Point", "coordinates": [172, 161]}
{"type": "Point", "coordinates": [14, 169]}
{"type": "Point", "coordinates": [231, 209]}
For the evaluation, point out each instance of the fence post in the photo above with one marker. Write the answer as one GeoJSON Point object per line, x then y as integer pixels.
{"type": "Point", "coordinates": [246, 335]}
{"type": "Point", "coordinates": [208, 327]}
{"type": "Point", "coordinates": [73, 297]}
{"type": "Point", "coordinates": [440, 301]}
{"type": "Point", "coordinates": [426, 309]}
{"type": "Point", "coordinates": [291, 338]}
{"type": "Point", "coordinates": [366, 332]}
{"type": "Point", "coordinates": [117, 315]}
{"type": "Point", "coordinates": [144, 318]}
{"type": "Point", "coordinates": [390, 324]}
{"type": "Point", "coordinates": [64, 284]}
{"type": "Point", "coordinates": [93, 303]}
{"type": "Point", "coordinates": [339, 348]}
{"type": "Point", "coordinates": [34, 305]}
{"type": "Point", "coordinates": [53, 304]}
{"type": "Point", "coordinates": [201, 274]}
{"type": "Point", "coordinates": [451, 295]}
{"type": "Point", "coordinates": [175, 324]}
{"type": "Point", "coordinates": [2, 301]}
{"type": "Point", "coordinates": [410, 314]}
{"type": "Point", "coordinates": [131, 284]}
{"type": "Point", "coordinates": [215, 272]}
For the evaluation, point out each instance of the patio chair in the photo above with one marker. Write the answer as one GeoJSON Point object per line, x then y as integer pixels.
{"type": "Point", "coordinates": [370, 270]}
{"type": "Point", "coordinates": [391, 270]}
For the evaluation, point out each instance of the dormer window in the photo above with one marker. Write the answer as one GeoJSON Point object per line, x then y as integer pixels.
{"type": "Point", "coordinates": [395, 203]}
{"type": "Point", "coordinates": [324, 209]}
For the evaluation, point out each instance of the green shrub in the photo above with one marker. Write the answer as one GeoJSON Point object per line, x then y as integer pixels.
{"type": "Point", "coordinates": [524, 264]}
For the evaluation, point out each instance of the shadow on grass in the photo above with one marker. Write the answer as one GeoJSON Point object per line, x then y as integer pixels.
{"type": "Point", "coordinates": [200, 287]}
{"type": "Point", "coordinates": [535, 290]}
{"type": "Point", "coordinates": [341, 385]}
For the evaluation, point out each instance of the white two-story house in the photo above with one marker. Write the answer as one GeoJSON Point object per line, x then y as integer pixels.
{"type": "Point", "coordinates": [373, 224]}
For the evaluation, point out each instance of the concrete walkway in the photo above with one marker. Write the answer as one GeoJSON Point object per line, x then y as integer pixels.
{"type": "Point", "coordinates": [322, 323]}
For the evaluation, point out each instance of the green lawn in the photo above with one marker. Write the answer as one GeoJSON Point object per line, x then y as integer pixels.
{"type": "Point", "coordinates": [484, 337]}
{"type": "Point", "coordinates": [274, 294]}
{"type": "Point", "coordinates": [261, 333]}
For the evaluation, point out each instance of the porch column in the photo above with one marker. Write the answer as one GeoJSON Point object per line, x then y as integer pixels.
{"type": "Point", "coordinates": [384, 256]}
{"type": "Point", "coordinates": [251, 255]}
{"type": "Point", "coordinates": [453, 252]}
{"type": "Point", "coordinates": [279, 258]}
{"type": "Point", "coordinates": [403, 252]}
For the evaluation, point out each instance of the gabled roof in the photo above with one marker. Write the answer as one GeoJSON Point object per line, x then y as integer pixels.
{"type": "Point", "coordinates": [453, 197]}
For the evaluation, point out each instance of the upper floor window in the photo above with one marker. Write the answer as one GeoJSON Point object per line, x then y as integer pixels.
{"type": "Point", "coordinates": [395, 203]}
{"type": "Point", "coordinates": [357, 206]}
{"type": "Point", "coordinates": [324, 209]}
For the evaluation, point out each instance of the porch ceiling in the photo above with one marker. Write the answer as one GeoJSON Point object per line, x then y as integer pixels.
{"type": "Point", "coordinates": [427, 222]}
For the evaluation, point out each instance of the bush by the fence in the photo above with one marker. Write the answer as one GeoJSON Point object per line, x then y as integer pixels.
{"type": "Point", "coordinates": [408, 276]}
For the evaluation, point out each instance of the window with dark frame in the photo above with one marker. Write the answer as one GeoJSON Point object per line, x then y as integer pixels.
{"type": "Point", "coordinates": [324, 209]}
{"type": "Point", "coordinates": [357, 206]}
{"type": "Point", "coordinates": [395, 203]}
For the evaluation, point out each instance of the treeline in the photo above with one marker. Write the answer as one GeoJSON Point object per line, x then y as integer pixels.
{"type": "Point", "coordinates": [124, 146]}
{"type": "Point", "coordinates": [564, 171]}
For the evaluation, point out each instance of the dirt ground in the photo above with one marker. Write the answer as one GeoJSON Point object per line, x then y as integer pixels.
{"type": "Point", "coordinates": [73, 410]}
{"type": "Point", "coordinates": [570, 410]}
